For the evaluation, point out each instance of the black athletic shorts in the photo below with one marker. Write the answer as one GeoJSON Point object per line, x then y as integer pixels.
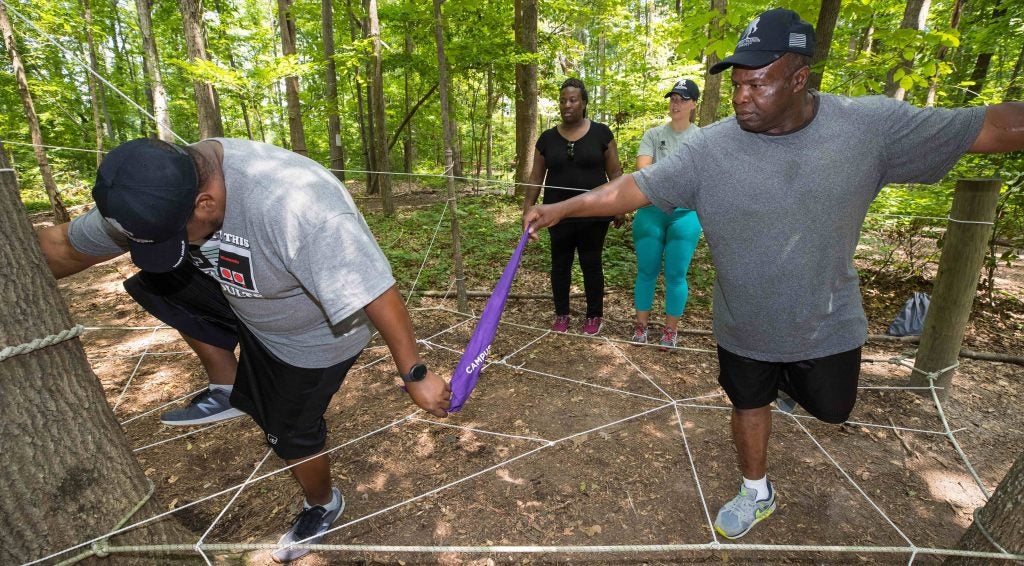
{"type": "Point", "coordinates": [825, 387]}
{"type": "Point", "coordinates": [286, 401]}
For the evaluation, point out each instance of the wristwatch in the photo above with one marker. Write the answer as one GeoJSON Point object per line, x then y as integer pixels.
{"type": "Point", "coordinates": [415, 373]}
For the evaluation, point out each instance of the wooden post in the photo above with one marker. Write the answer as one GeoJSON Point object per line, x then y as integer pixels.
{"type": "Point", "coordinates": [970, 227]}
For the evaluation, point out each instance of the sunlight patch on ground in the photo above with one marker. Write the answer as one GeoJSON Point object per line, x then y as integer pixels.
{"type": "Point", "coordinates": [955, 488]}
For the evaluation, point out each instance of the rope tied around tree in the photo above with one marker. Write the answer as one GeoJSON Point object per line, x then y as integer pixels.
{"type": "Point", "coordinates": [951, 219]}
{"type": "Point", "coordinates": [984, 531]}
{"type": "Point", "coordinates": [101, 548]}
{"type": "Point", "coordinates": [40, 343]}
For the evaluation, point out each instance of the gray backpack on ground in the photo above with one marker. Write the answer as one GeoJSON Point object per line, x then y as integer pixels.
{"type": "Point", "coordinates": [910, 320]}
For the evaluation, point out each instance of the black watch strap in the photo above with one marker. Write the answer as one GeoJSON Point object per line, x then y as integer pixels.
{"type": "Point", "coordinates": [415, 373]}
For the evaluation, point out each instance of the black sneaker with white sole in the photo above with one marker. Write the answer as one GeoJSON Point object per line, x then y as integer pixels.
{"type": "Point", "coordinates": [207, 407]}
{"type": "Point", "coordinates": [307, 528]}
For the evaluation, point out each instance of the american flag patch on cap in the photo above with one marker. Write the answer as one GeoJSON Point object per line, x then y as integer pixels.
{"type": "Point", "coordinates": [797, 40]}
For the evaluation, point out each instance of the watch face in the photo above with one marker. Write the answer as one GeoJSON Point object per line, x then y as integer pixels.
{"type": "Point", "coordinates": [417, 372]}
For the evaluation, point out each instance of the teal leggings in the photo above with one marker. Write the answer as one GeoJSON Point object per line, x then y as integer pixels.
{"type": "Point", "coordinates": [672, 236]}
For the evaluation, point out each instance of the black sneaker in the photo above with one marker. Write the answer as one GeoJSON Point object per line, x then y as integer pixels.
{"type": "Point", "coordinates": [208, 406]}
{"type": "Point", "coordinates": [307, 528]}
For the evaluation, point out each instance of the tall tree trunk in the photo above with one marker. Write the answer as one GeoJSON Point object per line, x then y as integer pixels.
{"type": "Point", "coordinates": [407, 146]}
{"type": "Point", "coordinates": [337, 150]}
{"type": "Point", "coordinates": [69, 473]}
{"type": "Point", "coordinates": [526, 91]}
{"type": "Point", "coordinates": [242, 102]}
{"type": "Point", "coordinates": [151, 62]}
{"type": "Point", "coordinates": [954, 23]}
{"type": "Point", "coordinates": [291, 82]}
{"type": "Point", "coordinates": [712, 83]}
{"type": "Point", "coordinates": [981, 64]}
{"type": "Point", "coordinates": [60, 213]}
{"type": "Point", "coordinates": [1002, 518]}
{"type": "Point", "coordinates": [207, 109]}
{"type": "Point", "coordinates": [914, 16]}
{"type": "Point", "coordinates": [1016, 84]}
{"type": "Point", "coordinates": [381, 158]}
{"type": "Point", "coordinates": [827, 18]}
{"type": "Point", "coordinates": [95, 88]}
{"type": "Point", "coordinates": [364, 138]}
{"type": "Point", "coordinates": [453, 123]}
{"type": "Point", "coordinates": [124, 58]}
{"type": "Point", "coordinates": [491, 101]}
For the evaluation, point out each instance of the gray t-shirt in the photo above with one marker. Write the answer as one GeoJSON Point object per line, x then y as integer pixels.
{"type": "Point", "coordinates": [294, 256]}
{"type": "Point", "coordinates": [782, 214]}
{"type": "Point", "coordinates": [662, 140]}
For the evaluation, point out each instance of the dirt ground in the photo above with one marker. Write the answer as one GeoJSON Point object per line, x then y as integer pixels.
{"type": "Point", "coordinates": [572, 441]}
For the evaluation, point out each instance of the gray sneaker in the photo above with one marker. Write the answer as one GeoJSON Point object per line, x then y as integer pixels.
{"type": "Point", "coordinates": [209, 406]}
{"type": "Point", "coordinates": [738, 516]}
{"type": "Point", "coordinates": [307, 528]}
{"type": "Point", "coordinates": [785, 403]}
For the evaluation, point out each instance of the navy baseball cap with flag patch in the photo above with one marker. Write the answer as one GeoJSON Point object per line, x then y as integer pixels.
{"type": "Point", "coordinates": [146, 189]}
{"type": "Point", "coordinates": [770, 36]}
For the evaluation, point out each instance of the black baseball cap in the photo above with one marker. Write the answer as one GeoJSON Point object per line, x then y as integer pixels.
{"type": "Point", "coordinates": [686, 89]}
{"type": "Point", "coordinates": [770, 36]}
{"type": "Point", "coordinates": [146, 189]}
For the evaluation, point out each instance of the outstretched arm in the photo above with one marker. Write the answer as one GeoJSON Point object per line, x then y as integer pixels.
{"type": "Point", "coordinates": [61, 256]}
{"type": "Point", "coordinates": [1003, 129]}
{"type": "Point", "coordinates": [389, 315]}
{"type": "Point", "coordinates": [615, 197]}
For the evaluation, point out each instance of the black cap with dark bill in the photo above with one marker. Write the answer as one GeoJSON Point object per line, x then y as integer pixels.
{"type": "Point", "coordinates": [770, 36]}
{"type": "Point", "coordinates": [686, 89]}
{"type": "Point", "coordinates": [146, 189]}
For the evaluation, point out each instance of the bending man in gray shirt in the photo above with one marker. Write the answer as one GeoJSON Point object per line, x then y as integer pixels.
{"type": "Point", "coordinates": [781, 190]}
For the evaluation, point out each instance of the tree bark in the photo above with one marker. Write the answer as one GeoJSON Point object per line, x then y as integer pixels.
{"type": "Point", "coordinates": [69, 474]}
{"type": "Point", "coordinates": [712, 83]}
{"type": "Point", "coordinates": [526, 91]}
{"type": "Point", "coordinates": [291, 83]}
{"type": "Point", "coordinates": [95, 88]}
{"type": "Point", "coordinates": [491, 101]}
{"type": "Point", "coordinates": [207, 108]}
{"type": "Point", "coordinates": [380, 137]}
{"type": "Point", "coordinates": [442, 69]}
{"type": "Point", "coordinates": [407, 121]}
{"type": "Point", "coordinates": [408, 146]}
{"type": "Point", "coordinates": [60, 213]}
{"type": "Point", "coordinates": [337, 149]}
{"type": "Point", "coordinates": [1002, 518]}
{"type": "Point", "coordinates": [823, 31]}
{"type": "Point", "coordinates": [981, 65]}
{"type": "Point", "coordinates": [151, 63]}
{"type": "Point", "coordinates": [914, 16]}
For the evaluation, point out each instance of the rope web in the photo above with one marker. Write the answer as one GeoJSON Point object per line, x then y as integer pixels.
{"type": "Point", "coordinates": [626, 401]}
{"type": "Point", "coordinates": [508, 459]}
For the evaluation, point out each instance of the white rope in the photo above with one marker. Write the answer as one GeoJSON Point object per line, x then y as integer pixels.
{"type": "Point", "coordinates": [958, 221]}
{"type": "Point", "coordinates": [246, 483]}
{"type": "Point", "coordinates": [426, 254]}
{"type": "Point", "coordinates": [135, 371]}
{"type": "Point", "coordinates": [984, 531]}
{"type": "Point", "coordinates": [6, 170]}
{"type": "Point", "coordinates": [40, 343]}
{"type": "Point", "coordinates": [9, 142]}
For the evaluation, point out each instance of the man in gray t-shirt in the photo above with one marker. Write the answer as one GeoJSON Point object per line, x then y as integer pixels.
{"type": "Point", "coordinates": [781, 190]}
{"type": "Point", "coordinates": [244, 243]}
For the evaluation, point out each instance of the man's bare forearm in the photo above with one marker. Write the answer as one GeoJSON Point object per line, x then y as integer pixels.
{"type": "Point", "coordinates": [618, 196]}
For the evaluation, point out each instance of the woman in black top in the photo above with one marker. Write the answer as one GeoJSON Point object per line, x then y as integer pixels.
{"type": "Point", "coordinates": [576, 155]}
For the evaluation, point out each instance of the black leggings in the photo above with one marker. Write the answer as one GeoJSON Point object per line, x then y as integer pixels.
{"type": "Point", "coordinates": [587, 238]}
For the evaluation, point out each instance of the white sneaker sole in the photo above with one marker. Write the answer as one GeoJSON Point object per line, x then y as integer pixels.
{"type": "Point", "coordinates": [221, 416]}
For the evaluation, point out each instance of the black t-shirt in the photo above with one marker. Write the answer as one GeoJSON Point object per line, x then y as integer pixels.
{"type": "Point", "coordinates": [585, 170]}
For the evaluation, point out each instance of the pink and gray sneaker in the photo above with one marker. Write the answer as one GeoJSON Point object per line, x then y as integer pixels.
{"type": "Point", "coordinates": [592, 326]}
{"type": "Point", "coordinates": [561, 323]}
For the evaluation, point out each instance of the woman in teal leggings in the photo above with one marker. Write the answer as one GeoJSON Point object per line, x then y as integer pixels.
{"type": "Point", "coordinates": [657, 235]}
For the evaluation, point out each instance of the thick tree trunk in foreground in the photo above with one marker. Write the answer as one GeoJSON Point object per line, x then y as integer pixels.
{"type": "Point", "coordinates": [69, 474]}
{"type": "Point", "coordinates": [60, 213]}
{"type": "Point", "coordinates": [1002, 518]}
